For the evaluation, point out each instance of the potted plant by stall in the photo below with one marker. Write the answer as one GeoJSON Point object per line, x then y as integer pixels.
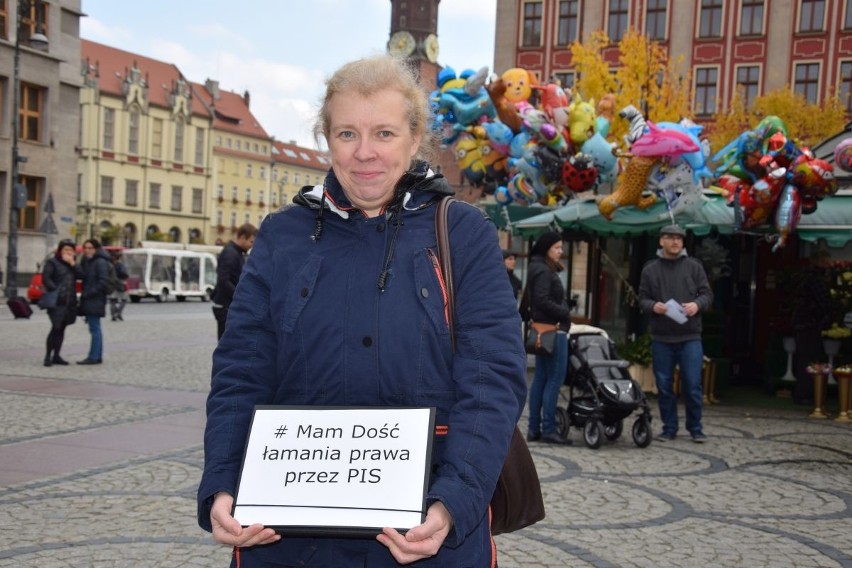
{"type": "Point", "coordinates": [638, 353]}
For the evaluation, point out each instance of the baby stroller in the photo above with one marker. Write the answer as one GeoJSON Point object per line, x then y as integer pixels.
{"type": "Point", "coordinates": [601, 393]}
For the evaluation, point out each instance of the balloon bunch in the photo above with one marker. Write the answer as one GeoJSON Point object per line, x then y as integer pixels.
{"type": "Point", "coordinates": [766, 177]}
{"type": "Point", "coordinates": [524, 142]}
{"type": "Point", "coordinates": [666, 158]}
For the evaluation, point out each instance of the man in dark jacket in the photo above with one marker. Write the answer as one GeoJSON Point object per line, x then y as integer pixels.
{"type": "Point", "coordinates": [674, 290]}
{"type": "Point", "coordinates": [228, 270]}
{"type": "Point", "coordinates": [94, 296]}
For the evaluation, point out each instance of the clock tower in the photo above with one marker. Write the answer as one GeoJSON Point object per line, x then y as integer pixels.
{"type": "Point", "coordinates": [414, 36]}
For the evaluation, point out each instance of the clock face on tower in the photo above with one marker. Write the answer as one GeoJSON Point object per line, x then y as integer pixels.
{"type": "Point", "coordinates": [401, 44]}
{"type": "Point", "coordinates": [430, 46]}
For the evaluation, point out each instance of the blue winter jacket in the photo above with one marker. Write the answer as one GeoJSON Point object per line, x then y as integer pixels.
{"type": "Point", "coordinates": [310, 325]}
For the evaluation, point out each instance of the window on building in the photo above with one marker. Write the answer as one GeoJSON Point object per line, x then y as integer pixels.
{"type": "Point", "coordinates": [255, 148]}
{"type": "Point", "coordinates": [617, 21]}
{"type": "Point", "coordinates": [28, 217]}
{"type": "Point", "coordinates": [812, 16]}
{"type": "Point", "coordinates": [296, 178]}
{"type": "Point", "coordinates": [177, 197]}
{"type": "Point", "coordinates": [532, 24]}
{"type": "Point", "coordinates": [705, 90]}
{"type": "Point", "coordinates": [199, 146]}
{"type": "Point", "coordinates": [274, 175]}
{"type": "Point", "coordinates": [28, 21]}
{"type": "Point", "coordinates": [565, 79]}
{"type": "Point", "coordinates": [106, 189]}
{"type": "Point", "coordinates": [247, 218]}
{"type": "Point", "coordinates": [566, 30]}
{"type": "Point", "coordinates": [273, 197]}
{"type": "Point", "coordinates": [710, 19]}
{"type": "Point", "coordinates": [220, 216]}
{"type": "Point", "coordinates": [655, 20]}
{"type": "Point", "coordinates": [807, 81]}
{"type": "Point", "coordinates": [31, 112]}
{"type": "Point", "coordinates": [285, 176]}
{"type": "Point", "coordinates": [239, 144]}
{"type": "Point", "coordinates": [748, 80]}
{"type": "Point", "coordinates": [228, 142]}
{"type": "Point", "coordinates": [131, 192]}
{"type": "Point", "coordinates": [845, 88]}
{"type": "Point", "coordinates": [109, 129]}
{"type": "Point", "coordinates": [233, 218]}
{"type": "Point", "coordinates": [847, 25]}
{"type": "Point", "coordinates": [154, 196]}
{"type": "Point", "coordinates": [218, 140]}
{"type": "Point", "coordinates": [180, 125]}
{"type": "Point", "coordinates": [4, 20]}
{"type": "Point", "coordinates": [197, 196]}
{"type": "Point", "coordinates": [260, 196]}
{"type": "Point", "coordinates": [248, 170]}
{"type": "Point", "coordinates": [133, 132]}
{"type": "Point", "coordinates": [248, 195]}
{"type": "Point", "coordinates": [157, 138]}
{"type": "Point", "coordinates": [220, 191]}
{"type": "Point", "coordinates": [261, 172]}
{"type": "Point", "coordinates": [234, 194]}
{"type": "Point", "coordinates": [751, 17]}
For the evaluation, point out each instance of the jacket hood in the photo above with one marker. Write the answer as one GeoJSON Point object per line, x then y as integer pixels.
{"type": "Point", "coordinates": [661, 254]}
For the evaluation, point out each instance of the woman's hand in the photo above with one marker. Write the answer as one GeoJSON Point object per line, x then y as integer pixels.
{"type": "Point", "coordinates": [227, 530]}
{"type": "Point", "coordinates": [68, 257]}
{"type": "Point", "coordinates": [422, 541]}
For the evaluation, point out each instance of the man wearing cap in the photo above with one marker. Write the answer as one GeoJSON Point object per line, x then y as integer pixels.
{"type": "Point", "coordinates": [673, 288]}
{"type": "Point", "coordinates": [509, 262]}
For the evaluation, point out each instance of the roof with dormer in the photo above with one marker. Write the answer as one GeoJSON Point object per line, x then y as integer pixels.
{"type": "Point", "coordinates": [290, 153]}
{"type": "Point", "coordinates": [231, 111]}
{"type": "Point", "coordinates": [110, 68]}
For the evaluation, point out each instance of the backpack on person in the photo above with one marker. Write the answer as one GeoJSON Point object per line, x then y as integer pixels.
{"type": "Point", "coordinates": [114, 283]}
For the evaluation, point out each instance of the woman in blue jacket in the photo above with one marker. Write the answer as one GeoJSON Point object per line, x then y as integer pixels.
{"type": "Point", "coordinates": [341, 303]}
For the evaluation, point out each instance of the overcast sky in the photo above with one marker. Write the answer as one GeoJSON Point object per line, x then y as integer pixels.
{"type": "Point", "coordinates": [281, 51]}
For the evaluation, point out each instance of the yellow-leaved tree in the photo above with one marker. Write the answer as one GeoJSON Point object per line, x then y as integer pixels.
{"type": "Point", "coordinates": [645, 78]}
{"type": "Point", "coordinates": [807, 123]}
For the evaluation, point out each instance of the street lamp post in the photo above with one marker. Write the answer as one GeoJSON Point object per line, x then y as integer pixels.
{"type": "Point", "coordinates": [18, 197]}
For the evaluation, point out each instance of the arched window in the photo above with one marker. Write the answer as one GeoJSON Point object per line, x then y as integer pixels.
{"type": "Point", "coordinates": [174, 235]}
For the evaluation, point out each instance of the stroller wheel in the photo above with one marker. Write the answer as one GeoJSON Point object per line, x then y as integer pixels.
{"type": "Point", "coordinates": [642, 432]}
{"type": "Point", "coordinates": [562, 422]}
{"type": "Point", "coordinates": [593, 434]}
{"type": "Point", "coordinates": [613, 431]}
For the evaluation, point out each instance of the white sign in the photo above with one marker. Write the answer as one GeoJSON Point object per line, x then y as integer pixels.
{"type": "Point", "coordinates": [336, 470]}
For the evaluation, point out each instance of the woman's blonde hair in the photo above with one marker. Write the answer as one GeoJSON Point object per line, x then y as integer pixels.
{"type": "Point", "coordinates": [370, 75]}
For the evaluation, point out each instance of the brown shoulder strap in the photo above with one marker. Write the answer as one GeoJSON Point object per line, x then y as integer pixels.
{"type": "Point", "coordinates": [443, 237]}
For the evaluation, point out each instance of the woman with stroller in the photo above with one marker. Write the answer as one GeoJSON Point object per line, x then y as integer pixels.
{"type": "Point", "coordinates": [60, 273]}
{"type": "Point", "coordinates": [546, 297]}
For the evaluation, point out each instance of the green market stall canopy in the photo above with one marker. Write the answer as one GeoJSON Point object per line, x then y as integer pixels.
{"type": "Point", "coordinates": [832, 221]}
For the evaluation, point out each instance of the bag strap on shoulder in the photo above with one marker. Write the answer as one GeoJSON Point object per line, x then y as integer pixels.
{"type": "Point", "coordinates": [443, 237]}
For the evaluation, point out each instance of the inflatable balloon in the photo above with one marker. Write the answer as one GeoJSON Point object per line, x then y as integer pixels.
{"type": "Point", "coordinates": [603, 157]}
{"type": "Point", "coordinates": [581, 120]}
{"type": "Point", "coordinates": [629, 187]}
{"type": "Point", "coordinates": [579, 173]}
{"type": "Point", "coordinates": [697, 160]}
{"type": "Point", "coordinates": [518, 83]}
{"type": "Point", "coordinates": [787, 215]}
{"type": "Point", "coordinates": [637, 124]}
{"type": "Point", "coordinates": [661, 142]}
{"type": "Point", "coordinates": [506, 110]}
{"type": "Point", "coordinates": [676, 184]}
{"type": "Point", "coordinates": [843, 155]}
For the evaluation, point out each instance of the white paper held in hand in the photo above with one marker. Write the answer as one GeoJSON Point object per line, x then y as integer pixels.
{"type": "Point", "coordinates": [675, 311]}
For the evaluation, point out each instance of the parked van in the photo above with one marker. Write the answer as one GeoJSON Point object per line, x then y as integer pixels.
{"type": "Point", "coordinates": [162, 273]}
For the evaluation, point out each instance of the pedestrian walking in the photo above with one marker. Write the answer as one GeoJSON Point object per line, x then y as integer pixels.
{"type": "Point", "coordinates": [342, 303]}
{"type": "Point", "coordinates": [118, 298]}
{"type": "Point", "coordinates": [509, 259]}
{"type": "Point", "coordinates": [59, 277]}
{"type": "Point", "coordinates": [229, 267]}
{"type": "Point", "coordinates": [93, 297]}
{"type": "Point", "coordinates": [673, 288]}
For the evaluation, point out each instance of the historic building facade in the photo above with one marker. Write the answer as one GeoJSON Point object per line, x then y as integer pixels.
{"type": "Point", "coordinates": [754, 44]}
{"type": "Point", "coordinates": [144, 167]}
{"type": "Point", "coordinates": [48, 125]}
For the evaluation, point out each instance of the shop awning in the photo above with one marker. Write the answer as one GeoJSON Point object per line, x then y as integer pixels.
{"type": "Point", "coordinates": [832, 221]}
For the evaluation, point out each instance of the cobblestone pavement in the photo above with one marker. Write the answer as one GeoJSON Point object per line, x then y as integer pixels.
{"type": "Point", "coordinates": [99, 467]}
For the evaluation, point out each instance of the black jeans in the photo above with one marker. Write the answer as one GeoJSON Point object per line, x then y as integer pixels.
{"type": "Point", "coordinates": [221, 315]}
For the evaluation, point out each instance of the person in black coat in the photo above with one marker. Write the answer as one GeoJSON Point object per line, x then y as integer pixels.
{"type": "Point", "coordinates": [509, 262]}
{"type": "Point", "coordinates": [228, 269]}
{"type": "Point", "coordinates": [60, 273]}
{"type": "Point", "coordinates": [94, 296]}
{"type": "Point", "coordinates": [547, 306]}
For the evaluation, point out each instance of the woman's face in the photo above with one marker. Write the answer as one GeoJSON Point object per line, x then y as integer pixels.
{"type": "Point", "coordinates": [554, 253]}
{"type": "Point", "coordinates": [371, 146]}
